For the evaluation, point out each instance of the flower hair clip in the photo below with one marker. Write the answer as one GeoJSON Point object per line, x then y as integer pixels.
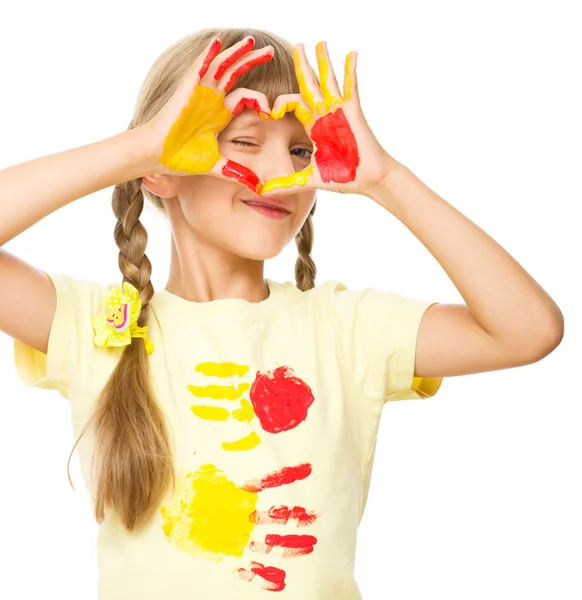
{"type": "Point", "coordinates": [118, 323]}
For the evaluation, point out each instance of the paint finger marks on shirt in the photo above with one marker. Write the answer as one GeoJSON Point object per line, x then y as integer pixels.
{"type": "Point", "coordinates": [213, 517]}
{"type": "Point", "coordinates": [278, 398]}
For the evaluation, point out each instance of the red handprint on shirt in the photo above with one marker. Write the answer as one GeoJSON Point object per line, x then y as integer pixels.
{"type": "Point", "coordinates": [212, 516]}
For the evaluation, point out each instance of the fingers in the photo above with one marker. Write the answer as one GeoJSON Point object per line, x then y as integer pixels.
{"type": "Point", "coordinates": [243, 98]}
{"type": "Point", "coordinates": [350, 78]}
{"type": "Point", "coordinates": [226, 67]}
{"type": "Point", "coordinates": [328, 82]}
{"type": "Point", "coordinates": [226, 58]}
{"type": "Point", "coordinates": [291, 103]}
{"type": "Point", "coordinates": [292, 183]}
{"type": "Point", "coordinates": [234, 171]}
{"type": "Point", "coordinates": [243, 65]}
{"type": "Point", "coordinates": [210, 54]}
{"type": "Point", "coordinates": [307, 85]}
{"type": "Point", "coordinates": [235, 52]}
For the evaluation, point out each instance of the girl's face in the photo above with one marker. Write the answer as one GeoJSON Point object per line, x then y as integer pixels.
{"type": "Point", "coordinates": [212, 210]}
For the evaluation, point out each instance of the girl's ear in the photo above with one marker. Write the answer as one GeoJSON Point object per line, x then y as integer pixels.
{"type": "Point", "coordinates": [162, 185]}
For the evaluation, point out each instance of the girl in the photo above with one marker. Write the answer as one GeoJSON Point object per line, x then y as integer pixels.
{"type": "Point", "coordinates": [227, 423]}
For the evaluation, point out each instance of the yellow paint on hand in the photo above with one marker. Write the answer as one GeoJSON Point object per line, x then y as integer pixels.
{"type": "Point", "coordinates": [348, 78]}
{"type": "Point", "coordinates": [219, 392]}
{"type": "Point", "coordinates": [191, 145]}
{"type": "Point", "coordinates": [247, 443]}
{"type": "Point", "coordinates": [323, 66]}
{"type": "Point", "coordinates": [210, 515]}
{"type": "Point", "coordinates": [302, 114]}
{"type": "Point", "coordinates": [210, 413]}
{"type": "Point", "coordinates": [299, 178]}
{"type": "Point", "coordinates": [245, 413]}
{"type": "Point", "coordinates": [301, 80]}
{"type": "Point", "coordinates": [223, 369]}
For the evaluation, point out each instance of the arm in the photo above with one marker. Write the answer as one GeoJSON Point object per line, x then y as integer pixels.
{"type": "Point", "coordinates": [29, 192]}
{"type": "Point", "coordinates": [508, 320]}
{"type": "Point", "coordinates": [34, 189]}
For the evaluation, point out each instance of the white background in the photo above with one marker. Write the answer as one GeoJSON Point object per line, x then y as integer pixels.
{"type": "Point", "coordinates": [476, 492]}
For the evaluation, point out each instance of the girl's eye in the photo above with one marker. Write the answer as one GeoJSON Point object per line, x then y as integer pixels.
{"type": "Point", "coordinates": [304, 150]}
{"type": "Point", "coordinates": [243, 143]}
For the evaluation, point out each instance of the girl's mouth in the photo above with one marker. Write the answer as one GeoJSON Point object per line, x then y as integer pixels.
{"type": "Point", "coordinates": [269, 211]}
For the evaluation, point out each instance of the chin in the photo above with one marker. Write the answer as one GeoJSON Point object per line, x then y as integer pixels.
{"type": "Point", "coordinates": [258, 249]}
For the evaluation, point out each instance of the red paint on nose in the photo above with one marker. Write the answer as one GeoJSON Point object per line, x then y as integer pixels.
{"type": "Point", "coordinates": [337, 155]}
{"type": "Point", "coordinates": [242, 174]}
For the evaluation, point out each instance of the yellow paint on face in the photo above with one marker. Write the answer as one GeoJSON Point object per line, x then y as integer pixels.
{"type": "Point", "coordinates": [219, 392]}
{"type": "Point", "coordinates": [224, 369]}
{"type": "Point", "coordinates": [247, 443]}
{"type": "Point", "coordinates": [191, 145]}
{"type": "Point", "coordinates": [299, 178]}
{"type": "Point", "coordinates": [210, 413]}
{"type": "Point", "coordinates": [209, 515]}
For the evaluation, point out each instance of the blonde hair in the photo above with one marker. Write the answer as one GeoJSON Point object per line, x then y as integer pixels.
{"type": "Point", "coordinates": [130, 428]}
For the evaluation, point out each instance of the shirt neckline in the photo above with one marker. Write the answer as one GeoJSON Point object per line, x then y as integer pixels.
{"type": "Point", "coordinates": [234, 306]}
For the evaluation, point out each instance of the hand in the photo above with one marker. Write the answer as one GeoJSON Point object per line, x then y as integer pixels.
{"type": "Point", "coordinates": [348, 158]}
{"type": "Point", "coordinates": [182, 136]}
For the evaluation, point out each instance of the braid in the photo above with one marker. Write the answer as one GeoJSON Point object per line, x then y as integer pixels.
{"type": "Point", "coordinates": [305, 269]}
{"type": "Point", "coordinates": [130, 426]}
{"type": "Point", "coordinates": [131, 238]}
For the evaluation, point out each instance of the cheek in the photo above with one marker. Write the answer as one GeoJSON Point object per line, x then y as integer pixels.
{"type": "Point", "coordinates": [203, 197]}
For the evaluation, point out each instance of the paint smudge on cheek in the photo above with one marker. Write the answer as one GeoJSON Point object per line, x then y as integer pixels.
{"type": "Point", "coordinates": [336, 155]}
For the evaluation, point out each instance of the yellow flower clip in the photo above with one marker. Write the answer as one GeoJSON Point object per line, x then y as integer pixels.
{"type": "Point", "coordinates": [118, 323]}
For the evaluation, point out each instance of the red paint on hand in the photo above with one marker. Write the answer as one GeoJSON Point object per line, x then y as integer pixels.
{"type": "Point", "coordinates": [283, 476]}
{"type": "Point", "coordinates": [242, 174]}
{"type": "Point", "coordinates": [246, 67]}
{"type": "Point", "coordinates": [249, 103]}
{"type": "Point", "coordinates": [337, 155]}
{"type": "Point", "coordinates": [212, 53]}
{"type": "Point", "coordinates": [228, 62]}
{"type": "Point", "coordinates": [280, 399]}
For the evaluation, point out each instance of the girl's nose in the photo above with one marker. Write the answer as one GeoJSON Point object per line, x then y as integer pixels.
{"type": "Point", "coordinates": [275, 163]}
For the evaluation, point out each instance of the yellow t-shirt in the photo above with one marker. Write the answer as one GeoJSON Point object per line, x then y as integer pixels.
{"type": "Point", "coordinates": [273, 410]}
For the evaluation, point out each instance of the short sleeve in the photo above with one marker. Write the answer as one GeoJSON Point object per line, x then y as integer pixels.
{"type": "Point", "coordinates": [378, 333]}
{"type": "Point", "coordinates": [70, 347]}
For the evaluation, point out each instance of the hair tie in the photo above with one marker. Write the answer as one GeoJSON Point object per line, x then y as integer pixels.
{"type": "Point", "coordinates": [118, 323]}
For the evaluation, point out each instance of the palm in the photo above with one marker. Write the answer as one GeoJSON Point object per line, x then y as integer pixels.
{"type": "Point", "coordinates": [191, 145]}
